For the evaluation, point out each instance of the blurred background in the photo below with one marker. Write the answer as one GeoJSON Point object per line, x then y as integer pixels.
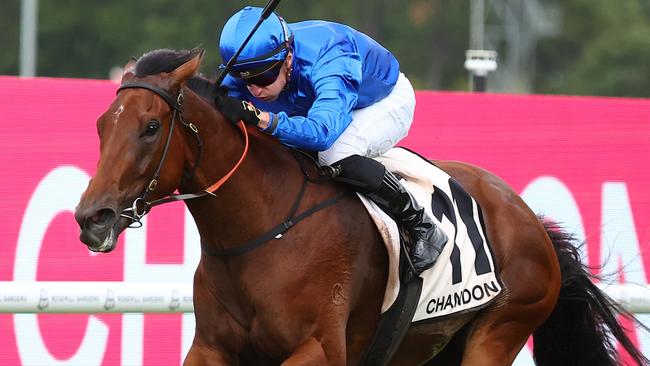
{"type": "Point", "coordinates": [575, 47]}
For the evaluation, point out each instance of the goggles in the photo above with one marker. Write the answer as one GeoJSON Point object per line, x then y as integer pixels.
{"type": "Point", "coordinates": [261, 75]}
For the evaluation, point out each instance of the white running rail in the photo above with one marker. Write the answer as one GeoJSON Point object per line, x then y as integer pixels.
{"type": "Point", "coordinates": [95, 297]}
{"type": "Point", "coordinates": [173, 297]}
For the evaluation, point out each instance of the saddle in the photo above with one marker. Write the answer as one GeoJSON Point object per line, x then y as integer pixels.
{"type": "Point", "coordinates": [465, 276]}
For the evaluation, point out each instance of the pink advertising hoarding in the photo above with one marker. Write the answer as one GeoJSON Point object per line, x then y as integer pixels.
{"type": "Point", "coordinates": [582, 161]}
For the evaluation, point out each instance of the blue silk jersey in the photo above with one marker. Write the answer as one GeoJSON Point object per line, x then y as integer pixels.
{"type": "Point", "coordinates": [335, 70]}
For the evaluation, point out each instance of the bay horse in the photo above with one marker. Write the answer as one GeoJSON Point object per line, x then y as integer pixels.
{"type": "Point", "coordinates": [312, 295]}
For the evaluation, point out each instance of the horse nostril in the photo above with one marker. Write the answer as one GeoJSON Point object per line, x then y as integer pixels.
{"type": "Point", "coordinates": [101, 218]}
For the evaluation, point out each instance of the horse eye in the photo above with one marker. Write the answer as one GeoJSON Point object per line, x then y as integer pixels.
{"type": "Point", "coordinates": [152, 128]}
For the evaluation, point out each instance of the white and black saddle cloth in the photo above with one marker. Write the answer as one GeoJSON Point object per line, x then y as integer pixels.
{"type": "Point", "coordinates": [465, 276]}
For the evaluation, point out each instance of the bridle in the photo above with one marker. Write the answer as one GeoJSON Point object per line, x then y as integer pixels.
{"type": "Point", "coordinates": [141, 206]}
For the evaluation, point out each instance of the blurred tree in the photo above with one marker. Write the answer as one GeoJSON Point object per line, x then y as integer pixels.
{"type": "Point", "coordinates": [86, 38]}
{"type": "Point", "coordinates": [615, 64]}
{"type": "Point", "coordinates": [10, 36]}
{"type": "Point", "coordinates": [602, 48]}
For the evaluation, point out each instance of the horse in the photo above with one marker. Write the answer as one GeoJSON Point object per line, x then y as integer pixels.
{"type": "Point", "coordinates": [310, 292]}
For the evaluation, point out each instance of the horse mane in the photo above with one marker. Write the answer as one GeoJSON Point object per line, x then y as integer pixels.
{"type": "Point", "coordinates": [162, 60]}
{"type": "Point", "coordinates": [167, 60]}
{"type": "Point", "coordinates": [206, 88]}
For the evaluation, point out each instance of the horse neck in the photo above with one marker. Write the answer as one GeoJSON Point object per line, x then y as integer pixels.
{"type": "Point", "coordinates": [222, 145]}
{"type": "Point", "coordinates": [256, 197]}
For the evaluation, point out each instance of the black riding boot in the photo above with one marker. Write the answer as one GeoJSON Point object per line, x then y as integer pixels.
{"type": "Point", "coordinates": [370, 177]}
{"type": "Point", "coordinates": [427, 240]}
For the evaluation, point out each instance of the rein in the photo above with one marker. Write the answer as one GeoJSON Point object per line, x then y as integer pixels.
{"type": "Point", "coordinates": [140, 205]}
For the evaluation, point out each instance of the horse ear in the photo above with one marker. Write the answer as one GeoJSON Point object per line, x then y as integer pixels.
{"type": "Point", "coordinates": [188, 69]}
{"type": "Point", "coordinates": [129, 70]}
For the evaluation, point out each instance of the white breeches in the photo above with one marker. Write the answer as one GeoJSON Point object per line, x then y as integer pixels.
{"type": "Point", "coordinates": [376, 128]}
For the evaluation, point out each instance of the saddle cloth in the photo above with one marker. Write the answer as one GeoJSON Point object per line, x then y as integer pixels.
{"type": "Point", "coordinates": [464, 277]}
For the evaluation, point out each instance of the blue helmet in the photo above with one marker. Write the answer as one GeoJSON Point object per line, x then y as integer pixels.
{"type": "Point", "coordinates": [270, 42]}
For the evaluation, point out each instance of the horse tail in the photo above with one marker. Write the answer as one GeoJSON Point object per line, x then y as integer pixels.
{"type": "Point", "coordinates": [578, 330]}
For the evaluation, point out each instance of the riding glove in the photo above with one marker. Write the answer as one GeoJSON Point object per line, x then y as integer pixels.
{"type": "Point", "coordinates": [235, 110]}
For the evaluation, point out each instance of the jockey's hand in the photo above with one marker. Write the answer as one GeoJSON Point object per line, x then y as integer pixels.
{"type": "Point", "coordinates": [235, 110]}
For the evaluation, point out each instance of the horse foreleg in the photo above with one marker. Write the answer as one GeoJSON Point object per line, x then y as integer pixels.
{"type": "Point", "coordinates": [311, 352]}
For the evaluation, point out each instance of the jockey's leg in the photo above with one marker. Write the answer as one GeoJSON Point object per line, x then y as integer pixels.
{"type": "Point", "coordinates": [370, 177]}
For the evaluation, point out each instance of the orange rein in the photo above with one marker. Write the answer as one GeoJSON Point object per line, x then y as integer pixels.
{"type": "Point", "coordinates": [211, 189]}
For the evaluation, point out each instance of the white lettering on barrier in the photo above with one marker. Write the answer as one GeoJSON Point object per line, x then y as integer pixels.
{"type": "Point", "coordinates": [136, 269]}
{"type": "Point", "coordinates": [619, 240]}
{"type": "Point", "coordinates": [46, 203]}
{"type": "Point", "coordinates": [549, 196]}
{"type": "Point", "coordinates": [192, 256]}
{"type": "Point", "coordinates": [524, 358]}
{"type": "Point", "coordinates": [619, 244]}
{"type": "Point", "coordinates": [58, 192]}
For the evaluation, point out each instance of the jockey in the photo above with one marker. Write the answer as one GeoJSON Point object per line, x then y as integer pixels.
{"type": "Point", "coordinates": [325, 87]}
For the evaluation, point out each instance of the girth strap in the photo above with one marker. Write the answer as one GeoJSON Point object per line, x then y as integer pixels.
{"type": "Point", "coordinates": [276, 232]}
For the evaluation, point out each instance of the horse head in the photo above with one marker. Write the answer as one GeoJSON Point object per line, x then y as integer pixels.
{"type": "Point", "coordinates": [142, 157]}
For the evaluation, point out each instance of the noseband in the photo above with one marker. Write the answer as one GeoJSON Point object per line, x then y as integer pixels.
{"type": "Point", "coordinates": [141, 206]}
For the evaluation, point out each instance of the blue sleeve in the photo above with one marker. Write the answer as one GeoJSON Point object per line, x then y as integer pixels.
{"type": "Point", "coordinates": [336, 77]}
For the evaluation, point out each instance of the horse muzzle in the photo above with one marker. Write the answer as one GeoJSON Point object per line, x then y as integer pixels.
{"type": "Point", "coordinates": [99, 228]}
